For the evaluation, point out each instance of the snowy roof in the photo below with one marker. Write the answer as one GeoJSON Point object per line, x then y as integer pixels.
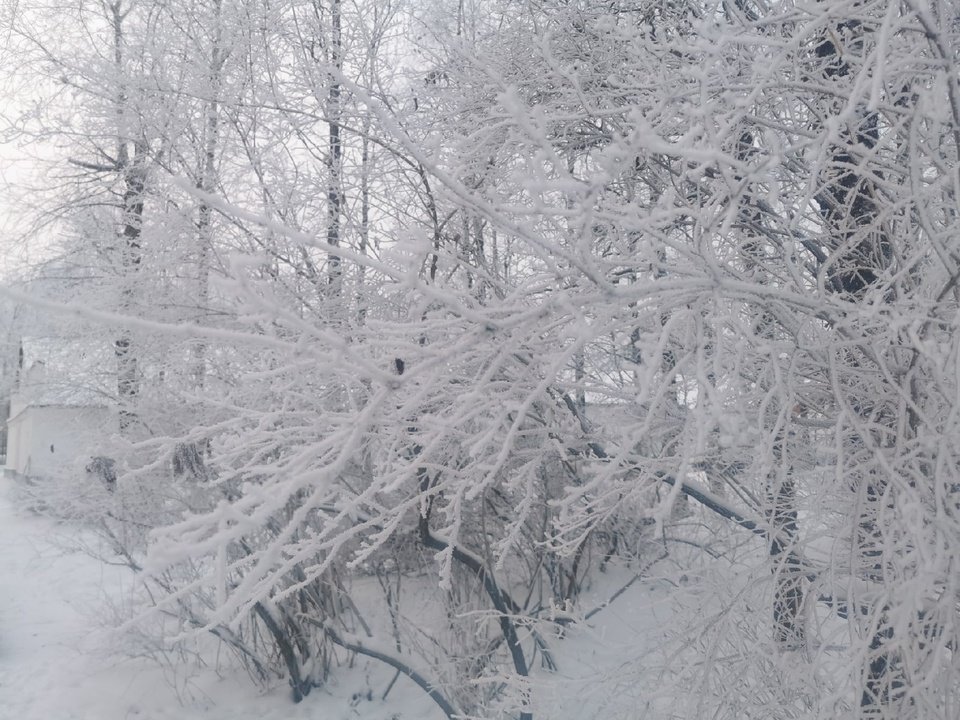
{"type": "Point", "coordinates": [64, 371]}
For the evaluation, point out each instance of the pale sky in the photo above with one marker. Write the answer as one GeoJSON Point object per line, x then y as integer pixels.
{"type": "Point", "coordinates": [16, 176]}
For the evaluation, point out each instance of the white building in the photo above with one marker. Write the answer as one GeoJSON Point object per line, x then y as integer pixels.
{"type": "Point", "coordinates": [58, 417]}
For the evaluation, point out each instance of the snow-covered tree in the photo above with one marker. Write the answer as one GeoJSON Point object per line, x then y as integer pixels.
{"type": "Point", "coordinates": [529, 291]}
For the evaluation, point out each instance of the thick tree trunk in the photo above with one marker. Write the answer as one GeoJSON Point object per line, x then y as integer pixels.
{"type": "Point", "coordinates": [859, 253]}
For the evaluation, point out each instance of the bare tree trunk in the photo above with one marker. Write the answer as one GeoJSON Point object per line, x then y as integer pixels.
{"type": "Point", "coordinates": [133, 173]}
{"type": "Point", "coordinates": [128, 370]}
{"type": "Point", "coordinates": [788, 628]}
{"type": "Point", "coordinates": [207, 184]}
{"type": "Point", "coordinates": [859, 255]}
{"type": "Point", "coordinates": [365, 165]}
{"type": "Point", "coordinates": [335, 152]}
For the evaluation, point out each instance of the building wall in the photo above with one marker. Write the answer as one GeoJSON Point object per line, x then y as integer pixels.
{"type": "Point", "coordinates": [53, 441]}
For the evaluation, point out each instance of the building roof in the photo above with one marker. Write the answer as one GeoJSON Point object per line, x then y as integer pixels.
{"type": "Point", "coordinates": [65, 372]}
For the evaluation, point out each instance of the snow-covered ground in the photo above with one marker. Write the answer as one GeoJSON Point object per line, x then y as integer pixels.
{"type": "Point", "coordinates": [60, 659]}
{"type": "Point", "coordinates": [55, 658]}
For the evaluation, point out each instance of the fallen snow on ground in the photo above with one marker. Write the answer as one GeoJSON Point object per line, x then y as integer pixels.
{"type": "Point", "coordinates": [59, 661]}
